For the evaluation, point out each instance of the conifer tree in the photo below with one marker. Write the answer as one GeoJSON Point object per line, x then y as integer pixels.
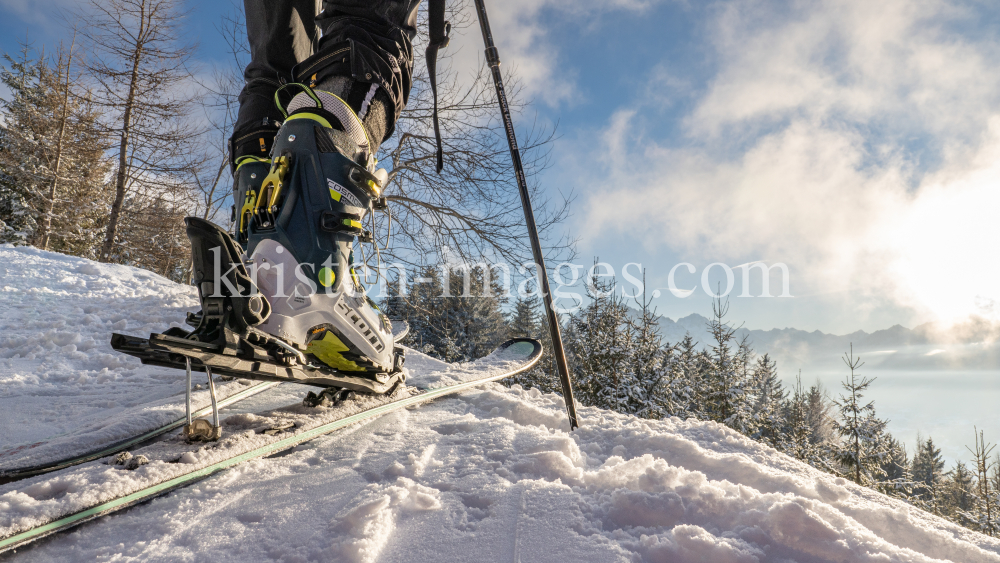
{"type": "Point", "coordinates": [687, 380]}
{"type": "Point", "coordinates": [957, 497]}
{"type": "Point", "coordinates": [598, 343]}
{"type": "Point", "coordinates": [898, 480]}
{"type": "Point", "coordinates": [818, 413]}
{"type": "Point", "coordinates": [983, 515]}
{"type": "Point", "coordinates": [413, 302]}
{"type": "Point", "coordinates": [928, 473]}
{"type": "Point", "coordinates": [797, 436]}
{"type": "Point", "coordinates": [863, 451]}
{"type": "Point", "coordinates": [769, 399]}
{"type": "Point", "coordinates": [526, 319]}
{"type": "Point", "coordinates": [651, 362]}
{"type": "Point", "coordinates": [727, 382]}
{"type": "Point", "coordinates": [447, 325]}
{"type": "Point", "coordinates": [53, 191]}
{"type": "Point", "coordinates": [18, 213]}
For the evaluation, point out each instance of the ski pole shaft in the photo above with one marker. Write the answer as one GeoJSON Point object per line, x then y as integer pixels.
{"type": "Point", "coordinates": [187, 401]}
{"type": "Point", "coordinates": [493, 59]}
{"type": "Point", "coordinates": [215, 403]}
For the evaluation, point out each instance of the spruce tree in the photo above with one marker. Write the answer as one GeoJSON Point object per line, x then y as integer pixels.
{"type": "Point", "coordinates": [527, 319]}
{"type": "Point", "coordinates": [18, 185]}
{"type": "Point", "coordinates": [957, 497]}
{"type": "Point", "coordinates": [928, 473]}
{"type": "Point", "coordinates": [818, 414]}
{"type": "Point", "coordinates": [598, 343]}
{"type": "Point", "coordinates": [53, 193]}
{"type": "Point", "coordinates": [797, 440]}
{"type": "Point", "coordinates": [727, 373]}
{"type": "Point", "coordinates": [770, 396]}
{"type": "Point", "coordinates": [863, 450]}
{"type": "Point", "coordinates": [687, 380]}
{"type": "Point", "coordinates": [651, 363]}
{"type": "Point", "coordinates": [983, 515]}
{"type": "Point", "coordinates": [451, 326]}
{"type": "Point", "coordinates": [898, 481]}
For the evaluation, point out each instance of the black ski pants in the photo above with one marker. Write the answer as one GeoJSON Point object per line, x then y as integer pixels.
{"type": "Point", "coordinates": [316, 41]}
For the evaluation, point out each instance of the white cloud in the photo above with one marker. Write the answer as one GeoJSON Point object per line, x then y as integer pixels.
{"type": "Point", "coordinates": [857, 140]}
{"type": "Point", "coordinates": [523, 39]}
{"type": "Point", "coordinates": [46, 14]}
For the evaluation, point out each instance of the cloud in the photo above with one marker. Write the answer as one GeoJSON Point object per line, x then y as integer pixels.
{"type": "Point", "coordinates": [522, 30]}
{"type": "Point", "coordinates": [857, 141]}
{"type": "Point", "coordinates": [46, 14]}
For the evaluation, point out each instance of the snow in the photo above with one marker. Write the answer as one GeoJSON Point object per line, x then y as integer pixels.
{"type": "Point", "coordinates": [492, 474]}
{"type": "Point", "coordinates": [62, 387]}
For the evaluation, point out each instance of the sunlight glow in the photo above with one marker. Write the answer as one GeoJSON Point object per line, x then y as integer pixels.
{"type": "Point", "coordinates": [945, 241]}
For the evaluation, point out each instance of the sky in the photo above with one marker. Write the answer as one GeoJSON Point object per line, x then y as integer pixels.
{"type": "Point", "coordinates": [855, 142]}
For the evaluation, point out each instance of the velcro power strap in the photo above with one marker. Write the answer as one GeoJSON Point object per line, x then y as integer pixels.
{"type": "Point", "coordinates": [438, 32]}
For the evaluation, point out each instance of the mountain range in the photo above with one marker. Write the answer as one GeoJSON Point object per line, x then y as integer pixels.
{"type": "Point", "coordinates": [970, 345]}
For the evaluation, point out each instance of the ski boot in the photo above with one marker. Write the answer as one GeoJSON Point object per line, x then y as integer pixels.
{"type": "Point", "coordinates": [289, 307]}
{"type": "Point", "coordinates": [300, 223]}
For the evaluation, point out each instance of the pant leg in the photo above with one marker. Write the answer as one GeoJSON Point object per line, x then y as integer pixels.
{"type": "Point", "coordinates": [365, 56]}
{"type": "Point", "coordinates": [364, 43]}
{"type": "Point", "coordinates": [281, 34]}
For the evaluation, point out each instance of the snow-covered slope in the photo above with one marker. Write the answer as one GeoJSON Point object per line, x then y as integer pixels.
{"type": "Point", "coordinates": [62, 387]}
{"type": "Point", "coordinates": [490, 475]}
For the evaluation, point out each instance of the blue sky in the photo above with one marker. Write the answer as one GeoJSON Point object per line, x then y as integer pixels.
{"type": "Point", "coordinates": [854, 141]}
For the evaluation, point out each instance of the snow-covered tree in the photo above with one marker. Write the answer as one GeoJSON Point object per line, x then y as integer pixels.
{"type": "Point", "coordinates": [687, 379]}
{"type": "Point", "coordinates": [527, 319]}
{"type": "Point", "coordinates": [957, 496]}
{"type": "Point", "coordinates": [727, 374]}
{"type": "Point", "coordinates": [18, 213]}
{"type": "Point", "coordinates": [898, 480]}
{"type": "Point", "coordinates": [819, 415]}
{"type": "Point", "coordinates": [53, 192]}
{"type": "Point", "coordinates": [449, 324]}
{"type": "Point", "coordinates": [984, 515]}
{"type": "Point", "coordinates": [797, 439]}
{"type": "Point", "coordinates": [598, 342]}
{"type": "Point", "coordinates": [863, 449]}
{"type": "Point", "coordinates": [928, 473]}
{"type": "Point", "coordinates": [651, 364]}
{"type": "Point", "coordinates": [770, 395]}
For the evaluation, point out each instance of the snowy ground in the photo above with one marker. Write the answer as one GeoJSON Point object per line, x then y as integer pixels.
{"type": "Point", "coordinates": [490, 475]}
{"type": "Point", "coordinates": [62, 387]}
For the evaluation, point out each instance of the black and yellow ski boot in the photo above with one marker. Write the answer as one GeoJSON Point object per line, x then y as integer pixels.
{"type": "Point", "coordinates": [301, 222]}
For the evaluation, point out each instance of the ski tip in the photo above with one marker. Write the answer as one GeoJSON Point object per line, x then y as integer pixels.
{"type": "Point", "coordinates": [400, 328]}
{"type": "Point", "coordinates": [522, 349]}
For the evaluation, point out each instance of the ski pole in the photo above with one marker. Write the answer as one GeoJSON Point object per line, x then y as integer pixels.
{"type": "Point", "coordinates": [493, 59]}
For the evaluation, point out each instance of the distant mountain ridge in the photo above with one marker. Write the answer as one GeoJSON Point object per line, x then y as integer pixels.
{"type": "Point", "coordinates": [972, 345]}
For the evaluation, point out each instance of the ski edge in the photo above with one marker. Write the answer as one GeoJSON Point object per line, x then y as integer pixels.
{"type": "Point", "coordinates": [94, 512]}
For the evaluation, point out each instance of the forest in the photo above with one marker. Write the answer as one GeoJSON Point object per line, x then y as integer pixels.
{"type": "Point", "coordinates": [620, 362]}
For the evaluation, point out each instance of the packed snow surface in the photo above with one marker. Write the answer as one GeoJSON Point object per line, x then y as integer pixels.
{"type": "Point", "coordinates": [492, 474]}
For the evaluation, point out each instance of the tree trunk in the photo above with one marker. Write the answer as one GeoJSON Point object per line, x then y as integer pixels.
{"type": "Point", "coordinates": [46, 226]}
{"type": "Point", "coordinates": [116, 207]}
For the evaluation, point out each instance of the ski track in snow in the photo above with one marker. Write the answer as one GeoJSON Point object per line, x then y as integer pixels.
{"type": "Point", "coordinates": [490, 475]}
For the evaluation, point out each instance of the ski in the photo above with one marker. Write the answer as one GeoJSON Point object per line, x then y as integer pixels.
{"type": "Point", "coordinates": [172, 463]}
{"type": "Point", "coordinates": [18, 473]}
{"type": "Point", "coordinates": [7, 475]}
